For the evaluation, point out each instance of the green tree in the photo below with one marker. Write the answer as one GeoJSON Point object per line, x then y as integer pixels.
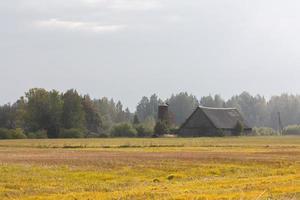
{"type": "Point", "coordinates": [105, 110]}
{"type": "Point", "coordinates": [120, 114]}
{"type": "Point", "coordinates": [73, 115]}
{"type": "Point", "coordinates": [37, 109]}
{"type": "Point", "coordinates": [111, 112]}
{"type": "Point", "coordinates": [215, 102]}
{"type": "Point", "coordinates": [238, 129]}
{"type": "Point", "coordinates": [7, 116]}
{"type": "Point", "coordinates": [161, 128]}
{"type": "Point", "coordinates": [43, 111]}
{"type": "Point", "coordinates": [148, 107]}
{"type": "Point", "coordinates": [142, 109]}
{"type": "Point", "coordinates": [20, 114]}
{"type": "Point", "coordinates": [143, 131]}
{"type": "Point", "coordinates": [207, 101]}
{"type": "Point", "coordinates": [55, 114]}
{"type": "Point", "coordinates": [136, 120]}
{"type": "Point", "coordinates": [128, 115]}
{"type": "Point", "coordinates": [123, 130]}
{"type": "Point", "coordinates": [181, 106]}
{"type": "Point", "coordinates": [93, 120]}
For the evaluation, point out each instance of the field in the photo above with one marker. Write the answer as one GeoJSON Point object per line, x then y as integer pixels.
{"type": "Point", "coordinates": [166, 168]}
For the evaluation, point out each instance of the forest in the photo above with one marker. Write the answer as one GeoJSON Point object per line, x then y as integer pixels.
{"type": "Point", "coordinates": [53, 114]}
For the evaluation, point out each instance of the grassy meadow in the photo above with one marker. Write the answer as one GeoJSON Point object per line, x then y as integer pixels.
{"type": "Point", "coordinates": [163, 168]}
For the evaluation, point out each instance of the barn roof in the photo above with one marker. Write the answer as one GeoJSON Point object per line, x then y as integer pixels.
{"type": "Point", "coordinates": [225, 118]}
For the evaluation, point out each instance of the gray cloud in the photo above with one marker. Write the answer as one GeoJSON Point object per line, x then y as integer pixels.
{"type": "Point", "coordinates": [132, 5]}
{"type": "Point", "coordinates": [78, 26]}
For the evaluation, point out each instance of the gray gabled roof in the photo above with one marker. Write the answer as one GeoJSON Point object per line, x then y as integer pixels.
{"type": "Point", "coordinates": [225, 118]}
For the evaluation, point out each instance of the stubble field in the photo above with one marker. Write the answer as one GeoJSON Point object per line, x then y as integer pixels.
{"type": "Point", "coordinates": [164, 168]}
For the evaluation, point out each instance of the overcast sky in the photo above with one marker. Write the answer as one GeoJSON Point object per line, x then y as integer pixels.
{"type": "Point", "coordinates": [127, 49]}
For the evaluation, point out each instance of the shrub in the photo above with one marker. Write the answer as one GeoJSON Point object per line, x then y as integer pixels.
{"type": "Point", "coordinates": [123, 130]}
{"type": "Point", "coordinates": [264, 131]}
{"type": "Point", "coordinates": [239, 128]}
{"type": "Point", "coordinates": [12, 133]}
{"type": "Point", "coordinates": [40, 134]}
{"type": "Point", "coordinates": [136, 119]}
{"type": "Point", "coordinates": [96, 135]}
{"type": "Point", "coordinates": [5, 133]}
{"type": "Point", "coordinates": [149, 123]}
{"type": "Point", "coordinates": [143, 131]}
{"type": "Point", "coordinates": [91, 135]}
{"type": "Point", "coordinates": [173, 130]}
{"type": "Point", "coordinates": [31, 135]}
{"type": "Point", "coordinates": [292, 130]}
{"type": "Point", "coordinates": [103, 135]}
{"type": "Point", "coordinates": [161, 128]}
{"type": "Point", "coordinates": [71, 133]}
{"type": "Point", "coordinates": [18, 134]}
{"type": "Point", "coordinates": [219, 133]}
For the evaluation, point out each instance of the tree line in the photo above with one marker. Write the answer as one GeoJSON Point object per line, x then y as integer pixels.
{"type": "Point", "coordinates": [52, 114]}
{"type": "Point", "coordinates": [41, 113]}
{"type": "Point", "coordinates": [257, 110]}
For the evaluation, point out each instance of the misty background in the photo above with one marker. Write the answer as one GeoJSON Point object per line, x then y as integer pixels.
{"type": "Point", "coordinates": [126, 49]}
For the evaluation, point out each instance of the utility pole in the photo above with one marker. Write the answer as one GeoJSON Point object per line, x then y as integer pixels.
{"type": "Point", "coordinates": [280, 127]}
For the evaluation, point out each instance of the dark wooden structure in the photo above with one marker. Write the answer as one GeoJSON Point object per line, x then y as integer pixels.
{"type": "Point", "coordinates": [163, 112]}
{"type": "Point", "coordinates": [206, 121]}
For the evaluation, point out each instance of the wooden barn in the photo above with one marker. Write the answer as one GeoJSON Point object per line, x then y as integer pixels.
{"type": "Point", "coordinates": [206, 121]}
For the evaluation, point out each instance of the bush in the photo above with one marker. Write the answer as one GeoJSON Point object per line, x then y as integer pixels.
{"type": "Point", "coordinates": [123, 130]}
{"type": "Point", "coordinates": [149, 123]}
{"type": "Point", "coordinates": [103, 135]}
{"type": "Point", "coordinates": [264, 131]}
{"type": "Point", "coordinates": [173, 130]}
{"type": "Point", "coordinates": [40, 134]}
{"type": "Point", "coordinates": [161, 128]}
{"type": "Point", "coordinates": [219, 133]}
{"type": "Point", "coordinates": [31, 135]}
{"type": "Point", "coordinates": [143, 131]}
{"type": "Point", "coordinates": [18, 134]}
{"type": "Point", "coordinates": [12, 133]}
{"type": "Point", "coordinates": [91, 135]}
{"type": "Point", "coordinates": [96, 135]}
{"type": "Point", "coordinates": [238, 129]}
{"type": "Point", "coordinates": [71, 133]}
{"type": "Point", "coordinates": [5, 133]}
{"type": "Point", "coordinates": [292, 130]}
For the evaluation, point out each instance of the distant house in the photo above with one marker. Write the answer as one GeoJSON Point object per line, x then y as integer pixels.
{"type": "Point", "coordinates": [206, 121]}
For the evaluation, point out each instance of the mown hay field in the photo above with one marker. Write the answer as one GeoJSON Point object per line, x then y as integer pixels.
{"type": "Point", "coordinates": [162, 168]}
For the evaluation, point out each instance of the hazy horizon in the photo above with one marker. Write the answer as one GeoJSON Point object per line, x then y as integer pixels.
{"type": "Point", "coordinates": [126, 49]}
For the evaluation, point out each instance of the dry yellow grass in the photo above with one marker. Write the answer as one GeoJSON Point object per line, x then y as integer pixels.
{"type": "Point", "coordinates": [175, 168]}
